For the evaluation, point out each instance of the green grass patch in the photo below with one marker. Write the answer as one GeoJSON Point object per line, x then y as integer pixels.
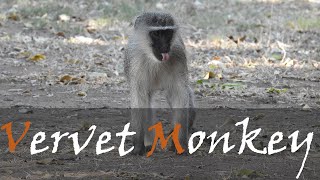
{"type": "Point", "coordinates": [273, 90]}
{"type": "Point", "coordinates": [308, 23]}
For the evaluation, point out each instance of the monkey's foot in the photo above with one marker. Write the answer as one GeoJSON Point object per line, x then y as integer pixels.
{"type": "Point", "coordinates": [141, 150]}
{"type": "Point", "coordinates": [138, 150]}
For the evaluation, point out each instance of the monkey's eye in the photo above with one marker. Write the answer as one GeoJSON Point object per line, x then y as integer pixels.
{"type": "Point", "coordinates": [155, 34]}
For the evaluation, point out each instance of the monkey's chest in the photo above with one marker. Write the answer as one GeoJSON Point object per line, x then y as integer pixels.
{"type": "Point", "coordinates": [162, 81]}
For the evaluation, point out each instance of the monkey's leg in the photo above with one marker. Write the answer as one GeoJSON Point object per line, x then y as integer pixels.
{"type": "Point", "coordinates": [140, 103]}
{"type": "Point", "coordinates": [148, 135]}
{"type": "Point", "coordinates": [178, 97]}
{"type": "Point", "coordinates": [192, 111]}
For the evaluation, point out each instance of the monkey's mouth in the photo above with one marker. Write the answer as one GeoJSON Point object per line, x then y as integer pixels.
{"type": "Point", "coordinates": [161, 56]}
{"type": "Point", "coordinates": [165, 56]}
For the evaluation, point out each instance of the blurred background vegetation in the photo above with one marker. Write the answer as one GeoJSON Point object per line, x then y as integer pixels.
{"type": "Point", "coordinates": [240, 14]}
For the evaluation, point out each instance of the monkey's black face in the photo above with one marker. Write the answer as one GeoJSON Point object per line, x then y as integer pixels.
{"type": "Point", "coordinates": [161, 42]}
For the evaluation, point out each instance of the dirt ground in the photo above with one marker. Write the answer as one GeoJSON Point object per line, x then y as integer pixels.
{"type": "Point", "coordinates": [163, 164]}
{"type": "Point", "coordinates": [63, 58]}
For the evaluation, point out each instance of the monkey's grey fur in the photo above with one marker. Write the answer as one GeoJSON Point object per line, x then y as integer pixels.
{"type": "Point", "coordinates": [146, 74]}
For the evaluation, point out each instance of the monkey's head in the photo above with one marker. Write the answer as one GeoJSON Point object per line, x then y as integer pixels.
{"type": "Point", "coordinates": [161, 29]}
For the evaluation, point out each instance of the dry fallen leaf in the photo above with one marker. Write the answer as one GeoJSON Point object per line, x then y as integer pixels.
{"type": "Point", "coordinates": [219, 76]}
{"type": "Point", "coordinates": [67, 79]}
{"type": "Point", "coordinates": [77, 81]}
{"type": "Point", "coordinates": [91, 29]}
{"type": "Point", "coordinates": [237, 40]}
{"type": "Point", "coordinates": [37, 57]}
{"type": "Point", "coordinates": [241, 39]}
{"type": "Point", "coordinates": [82, 94]}
{"type": "Point", "coordinates": [216, 58]}
{"type": "Point", "coordinates": [13, 16]}
{"type": "Point", "coordinates": [60, 34]}
{"type": "Point", "coordinates": [209, 75]}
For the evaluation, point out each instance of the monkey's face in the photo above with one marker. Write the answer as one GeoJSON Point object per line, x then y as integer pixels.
{"type": "Point", "coordinates": [161, 43]}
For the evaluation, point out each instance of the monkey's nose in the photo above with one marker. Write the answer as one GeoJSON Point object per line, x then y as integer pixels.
{"type": "Point", "coordinates": [165, 56]}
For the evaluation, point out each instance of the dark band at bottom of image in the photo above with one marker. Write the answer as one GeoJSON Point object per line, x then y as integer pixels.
{"type": "Point", "coordinates": [262, 143]}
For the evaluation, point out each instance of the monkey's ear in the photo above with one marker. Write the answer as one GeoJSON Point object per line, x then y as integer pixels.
{"type": "Point", "coordinates": [136, 21]}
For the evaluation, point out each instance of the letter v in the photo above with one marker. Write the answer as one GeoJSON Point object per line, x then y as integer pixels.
{"type": "Point", "coordinates": [11, 143]}
{"type": "Point", "coordinates": [74, 137]}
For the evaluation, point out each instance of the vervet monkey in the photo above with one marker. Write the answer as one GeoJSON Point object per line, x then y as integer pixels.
{"type": "Point", "coordinates": [155, 59]}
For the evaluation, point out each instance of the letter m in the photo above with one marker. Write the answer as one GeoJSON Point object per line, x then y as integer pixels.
{"type": "Point", "coordinates": [164, 141]}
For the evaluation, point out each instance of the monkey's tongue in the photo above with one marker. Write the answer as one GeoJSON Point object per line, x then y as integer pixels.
{"type": "Point", "coordinates": [165, 56]}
